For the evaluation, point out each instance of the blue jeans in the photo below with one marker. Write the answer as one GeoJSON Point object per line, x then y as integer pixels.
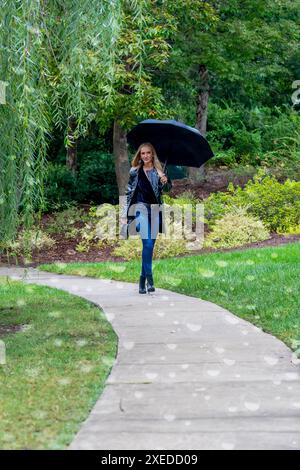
{"type": "Point", "coordinates": [144, 229]}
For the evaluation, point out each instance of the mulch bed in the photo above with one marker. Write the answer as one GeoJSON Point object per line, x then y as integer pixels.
{"type": "Point", "coordinates": [274, 240]}
{"type": "Point", "coordinates": [63, 251]}
{"type": "Point", "coordinates": [215, 180]}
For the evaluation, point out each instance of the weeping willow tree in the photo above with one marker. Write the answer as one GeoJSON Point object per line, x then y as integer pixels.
{"type": "Point", "coordinates": [83, 52]}
{"type": "Point", "coordinates": [49, 52]}
{"type": "Point", "coordinates": [24, 117]}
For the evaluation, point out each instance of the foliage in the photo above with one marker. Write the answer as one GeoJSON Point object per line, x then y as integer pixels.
{"type": "Point", "coordinates": [97, 230]}
{"type": "Point", "coordinates": [60, 187]}
{"type": "Point", "coordinates": [215, 206]}
{"type": "Point", "coordinates": [248, 48]}
{"type": "Point", "coordinates": [163, 248]}
{"type": "Point", "coordinates": [101, 231]}
{"type": "Point", "coordinates": [82, 38]}
{"type": "Point", "coordinates": [185, 199]}
{"type": "Point", "coordinates": [276, 204]}
{"type": "Point", "coordinates": [292, 230]}
{"type": "Point", "coordinates": [236, 228]}
{"type": "Point", "coordinates": [95, 182]}
{"type": "Point", "coordinates": [140, 50]}
{"type": "Point", "coordinates": [257, 136]}
{"type": "Point", "coordinates": [100, 62]}
{"type": "Point", "coordinates": [64, 222]}
{"type": "Point", "coordinates": [49, 53]}
{"type": "Point", "coordinates": [24, 117]}
{"type": "Point", "coordinates": [33, 239]}
{"type": "Point", "coordinates": [96, 179]}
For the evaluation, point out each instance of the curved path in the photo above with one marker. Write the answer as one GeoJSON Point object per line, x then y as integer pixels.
{"type": "Point", "coordinates": [188, 374]}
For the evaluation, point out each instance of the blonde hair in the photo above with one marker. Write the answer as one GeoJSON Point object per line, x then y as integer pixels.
{"type": "Point", "coordinates": [137, 162]}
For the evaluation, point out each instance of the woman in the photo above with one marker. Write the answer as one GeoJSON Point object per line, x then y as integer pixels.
{"type": "Point", "coordinates": [146, 182]}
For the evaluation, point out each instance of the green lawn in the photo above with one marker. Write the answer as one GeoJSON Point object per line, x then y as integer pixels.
{"type": "Point", "coordinates": [55, 369]}
{"type": "Point", "coordinates": [260, 285]}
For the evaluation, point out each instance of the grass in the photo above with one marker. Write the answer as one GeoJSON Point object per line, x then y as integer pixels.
{"type": "Point", "coordinates": [55, 368]}
{"type": "Point", "coordinates": [260, 285]}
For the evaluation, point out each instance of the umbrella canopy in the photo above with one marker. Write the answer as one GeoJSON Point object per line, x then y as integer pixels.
{"type": "Point", "coordinates": [175, 142]}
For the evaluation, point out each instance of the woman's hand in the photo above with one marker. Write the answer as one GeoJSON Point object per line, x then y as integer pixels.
{"type": "Point", "coordinates": [163, 179]}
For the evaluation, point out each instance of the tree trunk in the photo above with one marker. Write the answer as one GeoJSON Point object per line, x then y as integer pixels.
{"type": "Point", "coordinates": [71, 160]}
{"type": "Point", "coordinates": [198, 174]}
{"type": "Point", "coordinates": [120, 157]}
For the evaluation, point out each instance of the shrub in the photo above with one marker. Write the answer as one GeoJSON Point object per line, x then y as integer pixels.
{"type": "Point", "coordinates": [167, 248]}
{"type": "Point", "coordinates": [96, 179]}
{"type": "Point", "coordinates": [236, 228]}
{"type": "Point", "coordinates": [186, 197]}
{"type": "Point", "coordinates": [264, 135]}
{"type": "Point", "coordinates": [163, 248]}
{"type": "Point", "coordinates": [247, 143]}
{"type": "Point", "coordinates": [94, 233]}
{"type": "Point", "coordinates": [276, 204]}
{"type": "Point", "coordinates": [63, 221]}
{"type": "Point", "coordinates": [60, 187]}
{"type": "Point", "coordinates": [293, 230]}
{"type": "Point", "coordinates": [215, 205]}
{"type": "Point", "coordinates": [28, 241]}
{"type": "Point", "coordinates": [223, 158]}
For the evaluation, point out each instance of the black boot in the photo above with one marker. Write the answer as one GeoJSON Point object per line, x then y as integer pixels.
{"type": "Point", "coordinates": [142, 288]}
{"type": "Point", "coordinates": [150, 284]}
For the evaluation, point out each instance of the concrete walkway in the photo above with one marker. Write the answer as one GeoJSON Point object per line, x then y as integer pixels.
{"type": "Point", "coordinates": [188, 374]}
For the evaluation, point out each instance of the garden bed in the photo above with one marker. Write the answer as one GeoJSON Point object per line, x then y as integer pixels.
{"type": "Point", "coordinates": [64, 251]}
{"type": "Point", "coordinates": [70, 236]}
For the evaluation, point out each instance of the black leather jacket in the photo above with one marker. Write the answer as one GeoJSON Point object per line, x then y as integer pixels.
{"type": "Point", "coordinates": [157, 186]}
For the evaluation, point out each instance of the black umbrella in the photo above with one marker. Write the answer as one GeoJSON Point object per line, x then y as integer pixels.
{"type": "Point", "coordinates": [174, 142]}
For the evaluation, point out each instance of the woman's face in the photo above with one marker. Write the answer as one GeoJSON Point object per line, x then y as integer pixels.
{"type": "Point", "coordinates": [146, 154]}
